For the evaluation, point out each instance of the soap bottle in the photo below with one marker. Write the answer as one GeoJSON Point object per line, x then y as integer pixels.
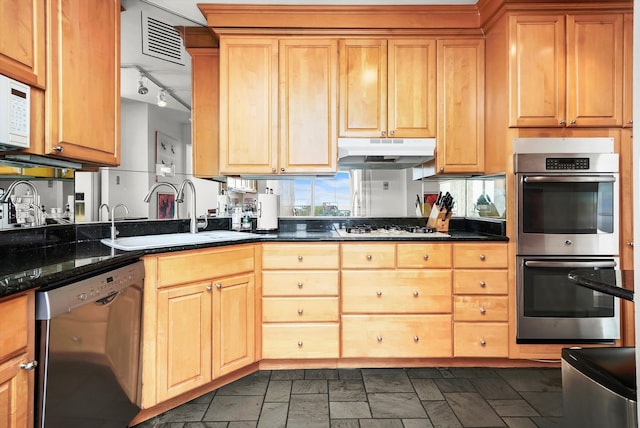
{"type": "Point", "coordinates": [236, 219]}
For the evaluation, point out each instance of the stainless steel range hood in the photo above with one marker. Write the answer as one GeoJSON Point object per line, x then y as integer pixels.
{"type": "Point", "coordinates": [384, 153]}
{"type": "Point", "coordinates": [30, 161]}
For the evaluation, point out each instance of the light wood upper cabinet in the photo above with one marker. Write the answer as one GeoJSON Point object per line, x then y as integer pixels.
{"type": "Point", "coordinates": [566, 70]}
{"type": "Point", "coordinates": [627, 96]}
{"type": "Point", "coordinates": [82, 104]}
{"type": "Point", "coordinates": [277, 105]}
{"type": "Point", "coordinates": [387, 88]}
{"type": "Point", "coordinates": [460, 142]}
{"type": "Point", "coordinates": [22, 51]}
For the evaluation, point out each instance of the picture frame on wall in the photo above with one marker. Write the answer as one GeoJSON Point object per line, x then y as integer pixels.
{"type": "Point", "coordinates": [166, 206]}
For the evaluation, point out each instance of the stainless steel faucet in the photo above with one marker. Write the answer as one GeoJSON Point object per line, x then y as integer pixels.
{"type": "Point", "coordinates": [103, 205]}
{"type": "Point", "coordinates": [147, 197]}
{"type": "Point", "coordinates": [114, 232]}
{"type": "Point", "coordinates": [193, 224]}
{"type": "Point", "coordinates": [36, 210]}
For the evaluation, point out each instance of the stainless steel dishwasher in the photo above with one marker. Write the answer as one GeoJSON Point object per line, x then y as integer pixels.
{"type": "Point", "coordinates": [89, 335]}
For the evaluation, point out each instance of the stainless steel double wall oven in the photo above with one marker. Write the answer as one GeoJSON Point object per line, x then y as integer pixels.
{"type": "Point", "coordinates": [567, 219]}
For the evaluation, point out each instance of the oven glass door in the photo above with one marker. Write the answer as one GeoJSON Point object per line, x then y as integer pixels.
{"type": "Point", "coordinates": [567, 214]}
{"type": "Point", "coordinates": [550, 306]}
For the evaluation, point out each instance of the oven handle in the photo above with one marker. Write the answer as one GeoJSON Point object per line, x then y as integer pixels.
{"type": "Point", "coordinates": [548, 264]}
{"type": "Point", "coordinates": [569, 179]}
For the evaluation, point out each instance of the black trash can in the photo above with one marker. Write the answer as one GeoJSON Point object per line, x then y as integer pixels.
{"type": "Point", "coordinates": [599, 387]}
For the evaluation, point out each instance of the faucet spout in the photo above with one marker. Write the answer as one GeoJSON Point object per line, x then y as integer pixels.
{"type": "Point", "coordinates": [6, 195]}
{"type": "Point", "coordinates": [193, 223]}
{"type": "Point", "coordinates": [103, 205]}
{"type": "Point", "coordinates": [114, 231]}
{"type": "Point", "coordinates": [147, 197]}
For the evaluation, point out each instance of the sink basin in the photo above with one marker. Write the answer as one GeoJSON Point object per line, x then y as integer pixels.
{"type": "Point", "coordinates": [146, 242]}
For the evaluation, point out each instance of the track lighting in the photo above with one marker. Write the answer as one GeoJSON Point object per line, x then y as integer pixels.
{"type": "Point", "coordinates": [162, 98]}
{"type": "Point", "coordinates": [142, 90]}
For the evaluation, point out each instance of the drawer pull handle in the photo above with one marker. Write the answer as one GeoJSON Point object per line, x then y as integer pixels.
{"type": "Point", "coordinates": [379, 293]}
{"type": "Point", "coordinates": [29, 366]}
{"type": "Point", "coordinates": [300, 344]}
{"type": "Point", "coordinates": [300, 258]}
{"type": "Point", "coordinates": [300, 311]}
{"type": "Point", "coordinates": [416, 339]}
{"type": "Point", "coordinates": [300, 285]}
{"type": "Point", "coordinates": [483, 342]}
{"type": "Point", "coordinates": [379, 338]}
{"type": "Point", "coordinates": [483, 284]}
{"type": "Point", "coordinates": [416, 293]}
{"type": "Point", "coordinates": [369, 257]}
{"type": "Point", "coordinates": [482, 257]}
{"type": "Point", "coordinates": [483, 311]}
{"type": "Point", "coordinates": [426, 257]}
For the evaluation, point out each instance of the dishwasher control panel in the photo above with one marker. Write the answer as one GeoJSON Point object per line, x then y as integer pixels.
{"type": "Point", "coordinates": [99, 289]}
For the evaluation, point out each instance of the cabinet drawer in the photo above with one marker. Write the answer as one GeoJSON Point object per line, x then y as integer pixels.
{"type": "Point", "coordinates": [480, 255]}
{"type": "Point", "coordinates": [395, 336]}
{"type": "Point", "coordinates": [480, 339]}
{"type": "Point", "coordinates": [291, 309]}
{"type": "Point", "coordinates": [175, 268]}
{"type": "Point", "coordinates": [424, 255]}
{"type": "Point", "coordinates": [480, 281]}
{"type": "Point", "coordinates": [300, 283]}
{"type": "Point", "coordinates": [368, 256]}
{"type": "Point", "coordinates": [480, 308]}
{"type": "Point", "coordinates": [300, 341]}
{"type": "Point", "coordinates": [407, 291]}
{"type": "Point", "coordinates": [300, 256]}
{"type": "Point", "coordinates": [14, 327]}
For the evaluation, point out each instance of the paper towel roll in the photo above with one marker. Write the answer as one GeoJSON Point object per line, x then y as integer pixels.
{"type": "Point", "coordinates": [267, 211]}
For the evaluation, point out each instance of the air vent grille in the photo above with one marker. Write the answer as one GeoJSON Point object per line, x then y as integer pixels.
{"type": "Point", "coordinates": [161, 40]}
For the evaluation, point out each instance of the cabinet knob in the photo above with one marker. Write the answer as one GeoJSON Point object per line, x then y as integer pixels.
{"type": "Point", "coordinates": [29, 366]}
{"type": "Point", "coordinates": [441, 169]}
{"type": "Point", "coordinates": [273, 170]}
{"type": "Point", "coordinates": [383, 133]}
{"type": "Point", "coordinates": [392, 133]}
{"type": "Point", "coordinates": [573, 122]}
{"type": "Point", "coordinates": [483, 284]}
{"type": "Point", "coordinates": [483, 342]}
{"type": "Point", "coordinates": [300, 311]}
{"type": "Point", "coordinates": [300, 285]}
{"type": "Point", "coordinates": [630, 244]}
{"type": "Point", "coordinates": [379, 338]}
{"type": "Point", "coordinates": [426, 257]}
{"type": "Point", "coordinates": [379, 293]}
{"type": "Point", "coordinates": [482, 257]}
{"type": "Point", "coordinates": [630, 122]}
{"type": "Point", "coordinates": [483, 311]}
{"type": "Point", "coordinates": [416, 339]}
{"type": "Point", "coordinates": [300, 344]}
{"type": "Point", "coordinates": [209, 288]}
{"type": "Point", "coordinates": [281, 169]}
{"type": "Point", "coordinates": [415, 293]}
{"type": "Point", "coordinates": [563, 122]}
{"type": "Point", "coordinates": [300, 258]}
{"type": "Point", "coordinates": [568, 242]}
{"type": "Point", "coordinates": [369, 257]}
{"type": "Point", "coordinates": [218, 285]}
{"type": "Point", "coordinates": [58, 149]}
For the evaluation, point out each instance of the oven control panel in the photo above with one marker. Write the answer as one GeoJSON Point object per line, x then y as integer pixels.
{"type": "Point", "coordinates": [567, 163]}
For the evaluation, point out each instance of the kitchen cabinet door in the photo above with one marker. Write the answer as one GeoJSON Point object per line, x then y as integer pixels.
{"type": "Point", "coordinates": [22, 47]}
{"type": "Point", "coordinates": [627, 96]}
{"type": "Point", "coordinates": [14, 394]}
{"type": "Point", "coordinates": [460, 143]}
{"type": "Point", "coordinates": [234, 324]}
{"type": "Point", "coordinates": [308, 76]}
{"type": "Point", "coordinates": [183, 338]}
{"type": "Point", "coordinates": [83, 91]}
{"type": "Point", "coordinates": [248, 105]}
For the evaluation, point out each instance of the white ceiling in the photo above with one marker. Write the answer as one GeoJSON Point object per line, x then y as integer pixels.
{"type": "Point", "coordinates": [177, 78]}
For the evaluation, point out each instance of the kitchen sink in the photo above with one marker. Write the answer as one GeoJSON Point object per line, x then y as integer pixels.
{"type": "Point", "coordinates": [146, 242]}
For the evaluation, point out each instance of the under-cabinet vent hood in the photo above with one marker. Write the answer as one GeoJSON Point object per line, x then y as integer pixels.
{"type": "Point", "coordinates": [31, 161]}
{"type": "Point", "coordinates": [384, 153]}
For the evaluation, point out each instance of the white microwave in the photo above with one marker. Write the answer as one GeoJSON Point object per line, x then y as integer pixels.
{"type": "Point", "coordinates": [15, 114]}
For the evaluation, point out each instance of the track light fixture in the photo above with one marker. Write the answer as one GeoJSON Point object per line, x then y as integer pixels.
{"type": "Point", "coordinates": [142, 90]}
{"type": "Point", "coordinates": [162, 98]}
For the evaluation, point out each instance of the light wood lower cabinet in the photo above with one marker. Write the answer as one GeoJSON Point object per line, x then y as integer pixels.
{"type": "Point", "coordinates": [396, 336]}
{"type": "Point", "coordinates": [473, 339]}
{"type": "Point", "coordinates": [300, 301]}
{"type": "Point", "coordinates": [199, 322]}
{"type": "Point", "coordinates": [17, 336]}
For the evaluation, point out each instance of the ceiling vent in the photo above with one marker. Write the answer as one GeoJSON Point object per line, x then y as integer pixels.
{"type": "Point", "coordinates": [161, 40]}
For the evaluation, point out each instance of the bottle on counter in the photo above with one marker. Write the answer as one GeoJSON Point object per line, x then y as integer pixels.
{"type": "Point", "coordinates": [236, 219]}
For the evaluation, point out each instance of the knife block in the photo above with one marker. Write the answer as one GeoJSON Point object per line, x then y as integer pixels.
{"type": "Point", "coordinates": [437, 219]}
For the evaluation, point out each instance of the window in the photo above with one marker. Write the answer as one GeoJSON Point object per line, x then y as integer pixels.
{"type": "Point", "coordinates": [314, 196]}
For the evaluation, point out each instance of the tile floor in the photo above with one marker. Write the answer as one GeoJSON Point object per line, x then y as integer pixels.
{"type": "Point", "coordinates": [378, 398]}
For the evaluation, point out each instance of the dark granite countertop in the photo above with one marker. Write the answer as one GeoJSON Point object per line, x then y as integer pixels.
{"type": "Point", "coordinates": [32, 258]}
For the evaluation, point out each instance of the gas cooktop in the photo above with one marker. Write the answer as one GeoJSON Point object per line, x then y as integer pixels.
{"type": "Point", "coordinates": [390, 231]}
